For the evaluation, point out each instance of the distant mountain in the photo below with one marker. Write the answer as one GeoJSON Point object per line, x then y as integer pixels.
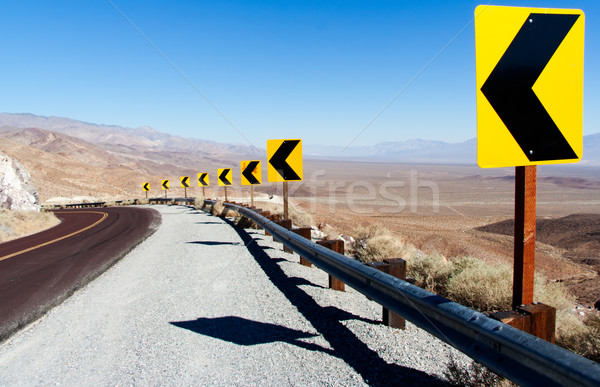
{"type": "Point", "coordinates": [429, 152]}
{"type": "Point", "coordinates": [591, 149]}
{"type": "Point", "coordinates": [117, 136]}
{"type": "Point", "coordinates": [411, 151]}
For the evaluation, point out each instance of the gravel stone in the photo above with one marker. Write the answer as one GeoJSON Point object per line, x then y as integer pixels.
{"type": "Point", "coordinates": [203, 303]}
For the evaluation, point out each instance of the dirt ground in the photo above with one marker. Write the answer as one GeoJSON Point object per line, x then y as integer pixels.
{"type": "Point", "coordinates": [465, 210]}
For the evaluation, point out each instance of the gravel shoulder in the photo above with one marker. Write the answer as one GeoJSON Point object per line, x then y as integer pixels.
{"type": "Point", "coordinates": [202, 303]}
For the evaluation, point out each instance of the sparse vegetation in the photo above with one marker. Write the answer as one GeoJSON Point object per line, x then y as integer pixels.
{"type": "Point", "coordinates": [17, 224]}
{"type": "Point", "coordinates": [375, 243]}
{"type": "Point", "coordinates": [482, 286]}
{"type": "Point", "coordinates": [430, 272]}
{"type": "Point", "coordinates": [581, 338]}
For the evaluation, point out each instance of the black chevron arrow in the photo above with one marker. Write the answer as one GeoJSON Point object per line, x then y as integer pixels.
{"type": "Point", "coordinates": [509, 87]}
{"type": "Point", "coordinates": [165, 184]}
{"type": "Point", "coordinates": [201, 179]}
{"type": "Point", "coordinates": [146, 186]}
{"type": "Point", "coordinates": [278, 160]}
{"type": "Point", "coordinates": [247, 172]}
{"type": "Point", "coordinates": [223, 176]}
{"type": "Point", "coordinates": [184, 181]}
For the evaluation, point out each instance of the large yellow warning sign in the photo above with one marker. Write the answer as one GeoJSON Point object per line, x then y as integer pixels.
{"type": "Point", "coordinates": [529, 85]}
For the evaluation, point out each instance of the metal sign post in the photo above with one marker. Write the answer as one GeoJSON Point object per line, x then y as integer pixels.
{"type": "Point", "coordinates": [285, 200]}
{"type": "Point", "coordinates": [525, 222]}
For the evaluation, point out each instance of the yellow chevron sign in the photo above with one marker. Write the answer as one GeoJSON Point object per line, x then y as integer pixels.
{"type": "Point", "coordinates": [146, 186]}
{"type": "Point", "coordinates": [165, 184]}
{"type": "Point", "coordinates": [185, 181]}
{"type": "Point", "coordinates": [251, 173]}
{"type": "Point", "coordinates": [285, 160]}
{"type": "Point", "coordinates": [225, 177]}
{"type": "Point", "coordinates": [529, 65]}
{"type": "Point", "coordinates": [202, 179]}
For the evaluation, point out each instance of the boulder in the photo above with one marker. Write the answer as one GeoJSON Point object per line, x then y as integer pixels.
{"type": "Point", "coordinates": [17, 192]}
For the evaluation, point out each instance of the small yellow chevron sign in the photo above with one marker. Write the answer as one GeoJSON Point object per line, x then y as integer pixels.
{"type": "Point", "coordinates": [202, 179]}
{"type": "Point", "coordinates": [529, 65]}
{"type": "Point", "coordinates": [165, 184]}
{"type": "Point", "coordinates": [225, 177]}
{"type": "Point", "coordinates": [146, 186]}
{"type": "Point", "coordinates": [251, 173]}
{"type": "Point", "coordinates": [185, 181]}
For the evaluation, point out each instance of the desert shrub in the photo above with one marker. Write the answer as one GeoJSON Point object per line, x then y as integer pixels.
{"type": "Point", "coordinates": [375, 243]}
{"type": "Point", "coordinates": [17, 224]}
{"type": "Point", "coordinates": [581, 338]}
{"type": "Point", "coordinates": [329, 233]}
{"type": "Point", "coordinates": [474, 375]}
{"type": "Point", "coordinates": [480, 285]}
{"type": "Point", "coordinates": [430, 272]}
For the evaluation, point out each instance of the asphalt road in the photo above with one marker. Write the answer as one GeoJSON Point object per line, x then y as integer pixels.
{"type": "Point", "coordinates": [40, 271]}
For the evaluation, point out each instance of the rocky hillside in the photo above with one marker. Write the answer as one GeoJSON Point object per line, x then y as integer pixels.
{"type": "Point", "coordinates": [16, 189]}
{"type": "Point", "coordinates": [68, 159]}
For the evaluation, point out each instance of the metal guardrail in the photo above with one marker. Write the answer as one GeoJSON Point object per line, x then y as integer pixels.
{"type": "Point", "coordinates": [85, 205]}
{"type": "Point", "coordinates": [182, 201]}
{"type": "Point", "coordinates": [513, 354]}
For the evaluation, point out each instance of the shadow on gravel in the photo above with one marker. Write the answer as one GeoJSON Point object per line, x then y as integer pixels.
{"type": "Point", "coordinates": [241, 331]}
{"type": "Point", "coordinates": [214, 243]}
{"type": "Point", "coordinates": [327, 321]}
{"type": "Point", "coordinates": [209, 222]}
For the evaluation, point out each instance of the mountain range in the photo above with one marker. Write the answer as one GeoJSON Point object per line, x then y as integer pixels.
{"type": "Point", "coordinates": [417, 151]}
{"type": "Point", "coordinates": [70, 158]}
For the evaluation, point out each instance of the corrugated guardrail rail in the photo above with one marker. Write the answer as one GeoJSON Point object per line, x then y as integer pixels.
{"type": "Point", "coordinates": [514, 354]}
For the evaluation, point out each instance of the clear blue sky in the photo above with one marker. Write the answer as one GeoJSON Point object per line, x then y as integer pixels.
{"type": "Point", "coordinates": [317, 70]}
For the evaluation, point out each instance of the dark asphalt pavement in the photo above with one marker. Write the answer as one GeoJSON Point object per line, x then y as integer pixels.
{"type": "Point", "coordinates": [85, 244]}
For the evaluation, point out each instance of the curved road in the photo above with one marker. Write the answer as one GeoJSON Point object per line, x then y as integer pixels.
{"type": "Point", "coordinates": [39, 271]}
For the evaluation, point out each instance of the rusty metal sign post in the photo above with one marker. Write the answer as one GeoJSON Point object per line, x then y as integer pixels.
{"type": "Point", "coordinates": [524, 241]}
{"type": "Point", "coordinates": [285, 201]}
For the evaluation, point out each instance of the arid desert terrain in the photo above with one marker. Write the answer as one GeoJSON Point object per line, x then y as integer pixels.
{"type": "Point", "coordinates": [465, 210]}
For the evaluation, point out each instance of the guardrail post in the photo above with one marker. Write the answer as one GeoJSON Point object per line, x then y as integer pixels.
{"type": "Point", "coordinates": [537, 319]}
{"type": "Point", "coordinates": [274, 217]}
{"type": "Point", "coordinates": [395, 267]}
{"type": "Point", "coordinates": [304, 232]}
{"type": "Point", "coordinates": [543, 320]}
{"type": "Point", "coordinates": [514, 319]}
{"type": "Point", "coordinates": [337, 246]}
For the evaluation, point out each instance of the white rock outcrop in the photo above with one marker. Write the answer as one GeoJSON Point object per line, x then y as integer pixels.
{"type": "Point", "coordinates": [16, 189]}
